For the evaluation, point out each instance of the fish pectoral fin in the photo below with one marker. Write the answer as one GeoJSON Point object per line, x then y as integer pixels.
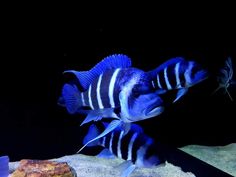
{"type": "Point", "coordinates": [126, 168]}
{"type": "Point", "coordinates": [180, 93]}
{"type": "Point", "coordinates": [91, 117]}
{"type": "Point", "coordinates": [96, 115]}
{"type": "Point", "coordinates": [105, 153]}
{"type": "Point", "coordinates": [110, 127]}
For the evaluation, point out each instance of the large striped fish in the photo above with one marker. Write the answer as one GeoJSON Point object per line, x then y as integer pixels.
{"type": "Point", "coordinates": [179, 74]}
{"type": "Point", "coordinates": [138, 149]}
{"type": "Point", "coordinates": [112, 89]}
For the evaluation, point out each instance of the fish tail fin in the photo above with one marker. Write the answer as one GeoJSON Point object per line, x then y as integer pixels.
{"type": "Point", "coordinates": [71, 98]}
{"type": "Point", "coordinates": [92, 133]}
{"type": "Point", "coordinates": [4, 166]}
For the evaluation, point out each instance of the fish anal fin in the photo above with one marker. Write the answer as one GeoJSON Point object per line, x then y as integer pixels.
{"type": "Point", "coordinates": [126, 168]}
{"type": "Point", "coordinates": [105, 153]}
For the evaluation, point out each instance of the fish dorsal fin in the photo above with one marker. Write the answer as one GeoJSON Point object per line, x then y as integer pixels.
{"type": "Point", "coordinates": [110, 62]}
{"type": "Point", "coordinates": [165, 64]}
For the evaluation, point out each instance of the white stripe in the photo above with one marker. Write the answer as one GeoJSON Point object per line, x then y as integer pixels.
{"type": "Point", "coordinates": [178, 84]}
{"type": "Point", "coordinates": [100, 105]}
{"type": "Point", "coordinates": [167, 80]}
{"type": "Point", "coordinates": [131, 146]}
{"type": "Point", "coordinates": [103, 141]}
{"type": "Point", "coordinates": [82, 98]}
{"type": "Point", "coordinates": [187, 74]}
{"type": "Point", "coordinates": [110, 144]}
{"type": "Point", "coordinates": [111, 87]}
{"type": "Point", "coordinates": [158, 81]}
{"type": "Point", "coordinates": [119, 144]}
{"type": "Point", "coordinates": [153, 84]}
{"type": "Point", "coordinates": [89, 97]}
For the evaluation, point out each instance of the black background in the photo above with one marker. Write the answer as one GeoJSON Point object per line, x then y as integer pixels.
{"type": "Point", "coordinates": [35, 55]}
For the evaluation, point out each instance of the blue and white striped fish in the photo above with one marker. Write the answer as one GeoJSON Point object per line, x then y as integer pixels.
{"type": "Point", "coordinates": [138, 149]}
{"type": "Point", "coordinates": [179, 74]}
{"type": "Point", "coordinates": [112, 89]}
{"type": "Point", "coordinates": [4, 166]}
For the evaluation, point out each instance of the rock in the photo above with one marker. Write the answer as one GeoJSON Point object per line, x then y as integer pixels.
{"type": "Point", "coordinates": [42, 168]}
{"type": "Point", "coordinates": [222, 157]}
{"type": "Point", "coordinates": [87, 166]}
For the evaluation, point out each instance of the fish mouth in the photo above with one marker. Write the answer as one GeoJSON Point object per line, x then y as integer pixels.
{"type": "Point", "coordinates": [154, 111]}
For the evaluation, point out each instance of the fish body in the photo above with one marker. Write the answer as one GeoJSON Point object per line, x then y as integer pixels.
{"type": "Point", "coordinates": [4, 166]}
{"type": "Point", "coordinates": [138, 149]}
{"type": "Point", "coordinates": [112, 89]}
{"type": "Point", "coordinates": [177, 74]}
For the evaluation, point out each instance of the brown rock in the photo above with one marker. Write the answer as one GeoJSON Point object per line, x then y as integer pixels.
{"type": "Point", "coordinates": [42, 168]}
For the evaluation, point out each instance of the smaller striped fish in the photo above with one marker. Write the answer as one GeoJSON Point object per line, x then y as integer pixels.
{"type": "Point", "coordinates": [4, 166]}
{"type": "Point", "coordinates": [225, 77]}
{"type": "Point", "coordinates": [135, 147]}
{"type": "Point", "coordinates": [179, 74]}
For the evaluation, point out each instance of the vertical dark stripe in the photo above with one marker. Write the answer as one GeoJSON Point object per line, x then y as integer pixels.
{"type": "Point", "coordinates": [125, 145]}
{"type": "Point", "coordinates": [117, 88]}
{"type": "Point", "coordinates": [104, 88]}
{"type": "Point", "coordinates": [94, 94]}
{"type": "Point", "coordinates": [107, 142]}
{"type": "Point", "coordinates": [115, 142]}
{"type": "Point", "coordinates": [171, 76]}
{"type": "Point", "coordinates": [140, 141]}
{"type": "Point", "coordinates": [162, 79]}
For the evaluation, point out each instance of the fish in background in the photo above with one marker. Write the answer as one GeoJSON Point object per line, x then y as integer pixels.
{"type": "Point", "coordinates": [225, 77]}
{"type": "Point", "coordinates": [4, 166]}
{"type": "Point", "coordinates": [177, 74]}
{"type": "Point", "coordinates": [135, 147]}
{"type": "Point", "coordinates": [112, 89]}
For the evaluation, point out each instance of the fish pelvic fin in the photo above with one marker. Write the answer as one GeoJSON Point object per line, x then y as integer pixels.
{"type": "Point", "coordinates": [93, 132]}
{"type": "Point", "coordinates": [109, 128]}
{"type": "Point", "coordinates": [4, 166]}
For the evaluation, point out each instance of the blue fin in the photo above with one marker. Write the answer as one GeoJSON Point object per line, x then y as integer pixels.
{"type": "Point", "coordinates": [105, 153]}
{"type": "Point", "coordinates": [126, 127]}
{"type": "Point", "coordinates": [71, 96]}
{"type": "Point", "coordinates": [110, 127]}
{"type": "Point", "coordinates": [165, 64]}
{"type": "Point", "coordinates": [91, 117]}
{"type": "Point", "coordinates": [95, 115]}
{"type": "Point", "coordinates": [92, 133]}
{"type": "Point", "coordinates": [4, 166]}
{"type": "Point", "coordinates": [126, 168]}
{"type": "Point", "coordinates": [111, 62]}
{"type": "Point", "coordinates": [180, 93]}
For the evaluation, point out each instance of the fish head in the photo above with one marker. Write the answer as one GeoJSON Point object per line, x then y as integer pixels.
{"type": "Point", "coordinates": [145, 106]}
{"type": "Point", "coordinates": [195, 74]}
